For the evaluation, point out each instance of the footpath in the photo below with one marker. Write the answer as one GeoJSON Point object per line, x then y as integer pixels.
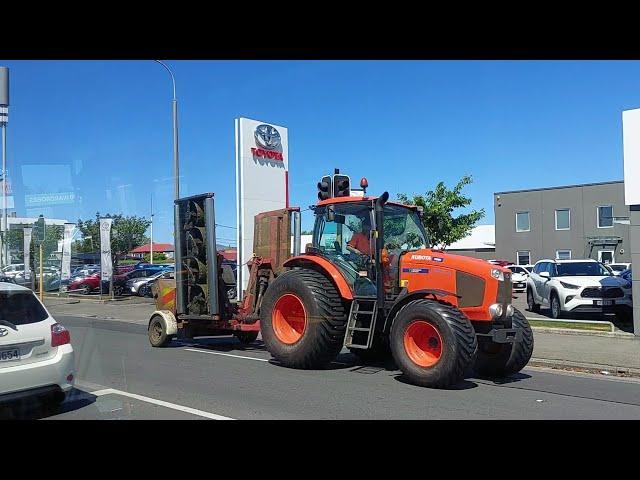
{"type": "Point", "coordinates": [593, 352]}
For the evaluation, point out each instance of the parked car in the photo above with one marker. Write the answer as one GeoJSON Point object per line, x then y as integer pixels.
{"type": "Point", "coordinates": [120, 281]}
{"type": "Point", "coordinates": [618, 268]}
{"type": "Point", "coordinates": [577, 286]}
{"type": "Point", "coordinates": [36, 356]}
{"type": "Point", "coordinates": [85, 283]}
{"type": "Point", "coordinates": [6, 279]}
{"type": "Point", "coordinates": [13, 270]}
{"type": "Point", "coordinates": [133, 285]}
{"type": "Point", "coordinates": [518, 278]}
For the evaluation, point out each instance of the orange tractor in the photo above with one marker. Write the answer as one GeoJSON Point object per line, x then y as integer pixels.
{"type": "Point", "coordinates": [367, 282]}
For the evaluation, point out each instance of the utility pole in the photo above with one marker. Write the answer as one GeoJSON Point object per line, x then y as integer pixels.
{"type": "Point", "coordinates": [151, 247]}
{"type": "Point", "coordinates": [174, 104]}
{"type": "Point", "coordinates": [4, 119]}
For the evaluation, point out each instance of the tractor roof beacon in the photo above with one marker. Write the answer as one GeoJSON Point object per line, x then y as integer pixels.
{"type": "Point", "coordinates": [368, 282]}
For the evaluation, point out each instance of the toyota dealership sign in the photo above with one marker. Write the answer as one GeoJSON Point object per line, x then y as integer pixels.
{"type": "Point", "coordinates": [262, 164]}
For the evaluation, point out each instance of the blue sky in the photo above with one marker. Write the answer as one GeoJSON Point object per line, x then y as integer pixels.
{"type": "Point", "coordinates": [102, 129]}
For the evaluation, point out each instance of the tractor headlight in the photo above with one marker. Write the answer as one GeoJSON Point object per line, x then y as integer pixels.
{"type": "Point", "coordinates": [497, 274]}
{"type": "Point", "coordinates": [496, 310]}
{"type": "Point", "coordinates": [510, 310]}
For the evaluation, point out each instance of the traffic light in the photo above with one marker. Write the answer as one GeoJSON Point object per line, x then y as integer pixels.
{"type": "Point", "coordinates": [341, 186]}
{"type": "Point", "coordinates": [196, 258]}
{"type": "Point", "coordinates": [324, 188]}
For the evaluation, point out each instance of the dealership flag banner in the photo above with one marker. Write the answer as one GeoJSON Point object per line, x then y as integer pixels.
{"type": "Point", "coordinates": [27, 252]}
{"type": "Point", "coordinates": [106, 268]}
{"type": "Point", "coordinates": [262, 165]}
{"type": "Point", "coordinates": [66, 251]}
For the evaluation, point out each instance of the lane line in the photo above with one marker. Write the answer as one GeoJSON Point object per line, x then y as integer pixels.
{"type": "Point", "coordinates": [241, 356]}
{"type": "Point", "coordinates": [162, 403]}
{"type": "Point", "coordinates": [226, 354]}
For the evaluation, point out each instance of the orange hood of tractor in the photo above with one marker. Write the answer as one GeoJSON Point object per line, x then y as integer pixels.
{"type": "Point", "coordinates": [473, 266]}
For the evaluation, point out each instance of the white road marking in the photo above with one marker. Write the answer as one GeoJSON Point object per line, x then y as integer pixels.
{"type": "Point", "coordinates": [240, 356]}
{"type": "Point", "coordinates": [227, 354]}
{"type": "Point", "coordinates": [173, 406]}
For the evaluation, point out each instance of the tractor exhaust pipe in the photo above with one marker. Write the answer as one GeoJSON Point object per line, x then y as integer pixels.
{"type": "Point", "coordinates": [379, 217]}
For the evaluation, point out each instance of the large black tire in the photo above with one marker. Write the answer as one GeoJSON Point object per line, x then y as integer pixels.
{"type": "Point", "coordinates": [531, 303]}
{"type": "Point", "coordinates": [246, 337]}
{"type": "Point", "coordinates": [457, 343]}
{"type": "Point", "coordinates": [158, 332]}
{"type": "Point", "coordinates": [503, 359]}
{"type": "Point", "coordinates": [379, 352]}
{"type": "Point", "coordinates": [325, 319]}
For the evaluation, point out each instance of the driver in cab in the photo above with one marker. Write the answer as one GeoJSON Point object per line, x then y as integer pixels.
{"type": "Point", "coordinates": [360, 243]}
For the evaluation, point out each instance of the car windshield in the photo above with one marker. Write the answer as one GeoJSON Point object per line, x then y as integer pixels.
{"type": "Point", "coordinates": [617, 268]}
{"type": "Point", "coordinates": [581, 269]}
{"type": "Point", "coordinates": [20, 308]}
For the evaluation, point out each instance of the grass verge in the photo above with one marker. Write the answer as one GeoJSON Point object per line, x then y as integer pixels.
{"type": "Point", "coordinates": [605, 327]}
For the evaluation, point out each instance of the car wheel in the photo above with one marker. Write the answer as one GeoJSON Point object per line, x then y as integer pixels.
{"type": "Point", "coordinates": [556, 310]}
{"type": "Point", "coordinates": [84, 289]}
{"type": "Point", "coordinates": [532, 306]}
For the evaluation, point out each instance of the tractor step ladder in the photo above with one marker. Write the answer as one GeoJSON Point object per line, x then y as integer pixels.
{"type": "Point", "coordinates": [362, 318]}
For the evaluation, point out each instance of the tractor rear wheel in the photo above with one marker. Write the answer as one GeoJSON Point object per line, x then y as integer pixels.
{"type": "Point", "coordinates": [432, 343]}
{"type": "Point", "coordinates": [503, 359]}
{"type": "Point", "coordinates": [303, 319]}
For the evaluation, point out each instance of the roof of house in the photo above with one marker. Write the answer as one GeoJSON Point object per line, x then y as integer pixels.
{"type": "Point", "coordinates": [482, 236]}
{"type": "Point", "coordinates": [157, 247]}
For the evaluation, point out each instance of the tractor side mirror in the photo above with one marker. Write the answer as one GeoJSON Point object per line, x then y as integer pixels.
{"type": "Point", "coordinates": [330, 213]}
{"type": "Point", "coordinates": [420, 211]}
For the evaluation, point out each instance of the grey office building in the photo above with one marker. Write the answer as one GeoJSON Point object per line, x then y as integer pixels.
{"type": "Point", "coordinates": [571, 222]}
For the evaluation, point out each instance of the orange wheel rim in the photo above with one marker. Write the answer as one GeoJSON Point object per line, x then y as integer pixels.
{"type": "Point", "coordinates": [423, 343]}
{"type": "Point", "coordinates": [289, 318]}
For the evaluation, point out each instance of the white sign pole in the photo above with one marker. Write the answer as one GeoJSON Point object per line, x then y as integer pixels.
{"type": "Point", "coordinates": [27, 253]}
{"type": "Point", "coordinates": [106, 267]}
{"type": "Point", "coordinates": [65, 273]}
{"type": "Point", "coordinates": [262, 163]}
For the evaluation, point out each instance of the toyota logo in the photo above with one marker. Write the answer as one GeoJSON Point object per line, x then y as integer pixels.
{"type": "Point", "coordinates": [4, 332]}
{"type": "Point", "coordinates": [267, 137]}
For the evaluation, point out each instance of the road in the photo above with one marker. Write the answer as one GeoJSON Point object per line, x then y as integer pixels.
{"type": "Point", "coordinates": [120, 376]}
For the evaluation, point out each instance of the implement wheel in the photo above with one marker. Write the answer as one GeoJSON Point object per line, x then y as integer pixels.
{"type": "Point", "coordinates": [432, 343]}
{"type": "Point", "coordinates": [303, 319]}
{"type": "Point", "coordinates": [502, 359]}
{"type": "Point", "coordinates": [158, 332]}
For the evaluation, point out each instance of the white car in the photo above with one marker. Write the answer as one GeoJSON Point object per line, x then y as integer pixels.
{"type": "Point", "coordinates": [618, 268]}
{"type": "Point", "coordinates": [577, 286]}
{"type": "Point", "coordinates": [519, 277]}
{"type": "Point", "coordinates": [36, 356]}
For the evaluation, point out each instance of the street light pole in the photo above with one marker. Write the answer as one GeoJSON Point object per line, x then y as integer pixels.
{"type": "Point", "coordinates": [151, 246]}
{"type": "Point", "coordinates": [4, 119]}
{"type": "Point", "coordinates": [176, 168]}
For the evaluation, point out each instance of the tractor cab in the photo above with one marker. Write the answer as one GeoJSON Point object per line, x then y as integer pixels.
{"type": "Point", "coordinates": [346, 232]}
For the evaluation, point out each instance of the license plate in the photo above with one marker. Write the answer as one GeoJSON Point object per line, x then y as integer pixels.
{"type": "Point", "coordinates": [519, 285]}
{"type": "Point", "coordinates": [10, 355]}
{"type": "Point", "coordinates": [604, 302]}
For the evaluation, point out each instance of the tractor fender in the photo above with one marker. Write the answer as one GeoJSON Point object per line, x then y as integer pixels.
{"type": "Point", "coordinates": [324, 266]}
{"type": "Point", "coordinates": [402, 300]}
{"type": "Point", "coordinates": [170, 320]}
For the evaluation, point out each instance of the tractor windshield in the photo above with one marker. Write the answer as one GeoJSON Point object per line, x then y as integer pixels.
{"type": "Point", "coordinates": [403, 229]}
{"type": "Point", "coordinates": [344, 237]}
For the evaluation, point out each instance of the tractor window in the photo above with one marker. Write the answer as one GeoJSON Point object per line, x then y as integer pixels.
{"type": "Point", "coordinates": [403, 229]}
{"type": "Point", "coordinates": [346, 240]}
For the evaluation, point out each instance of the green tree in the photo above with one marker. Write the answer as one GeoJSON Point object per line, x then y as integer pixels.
{"type": "Point", "coordinates": [438, 206]}
{"type": "Point", "coordinates": [127, 233]}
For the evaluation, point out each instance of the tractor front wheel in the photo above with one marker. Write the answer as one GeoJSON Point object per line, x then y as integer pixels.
{"type": "Point", "coordinates": [303, 319]}
{"type": "Point", "coordinates": [432, 343]}
{"type": "Point", "coordinates": [503, 359]}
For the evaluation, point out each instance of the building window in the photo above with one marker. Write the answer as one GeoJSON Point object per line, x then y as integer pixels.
{"type": "Point", "coordinates": [522, 222]}
{"type": "Point", "coordinates": [524, 257]}
{"type": "Point", "coordinates": [605, 216]}
{"type": "Point", "coordinates": [563, 254]}
{"type": "Point", "coordinates": [563, 219]}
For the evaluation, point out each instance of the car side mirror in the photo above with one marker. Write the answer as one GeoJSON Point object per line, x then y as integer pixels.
{"type": "Point", "coordinates": [545, 275]}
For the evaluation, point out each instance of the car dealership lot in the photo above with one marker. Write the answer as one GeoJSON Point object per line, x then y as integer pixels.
{"type": "Point", "coordinates": [121, 377]}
